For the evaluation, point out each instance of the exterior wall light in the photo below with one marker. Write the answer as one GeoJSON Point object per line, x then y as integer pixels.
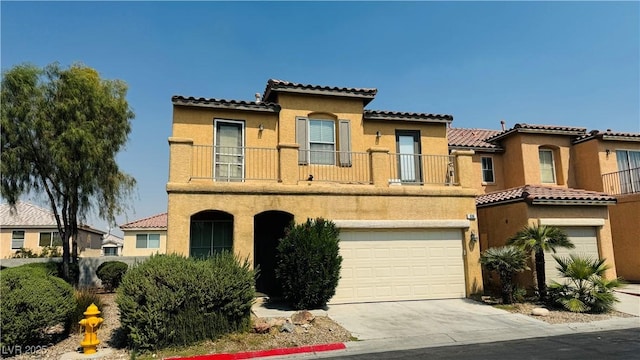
{"type": "Point", "coordinates": [378, 135]}
{"type": "Point", "coordinates": [261, 127]}
{"type": "Point", "coordinates": [474, 237]}
{"type": "Point", "coordinates": [608, 152]}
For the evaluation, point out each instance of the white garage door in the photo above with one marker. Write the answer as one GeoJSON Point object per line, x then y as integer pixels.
{"type": "Point", "coordinates": [400, 265]}
{"type": "Point", "coordinates": [586, 242]}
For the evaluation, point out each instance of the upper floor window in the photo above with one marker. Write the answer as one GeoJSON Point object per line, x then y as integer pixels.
{"type": "Point", "coordinates": [148, 241]}
{"type": "Point", "coordinates": [229, 151]}
{"type": "Point", "coordinates": [110, 251]}
{"type": "Point", "coordinates": [321, 143]}
{"type": "Point", "coordinates": [628, 170]}
{"type": "Point", "coordinates": [487, 170]}
{"type": "Point", "coordinates": [547, 167]}
{"type": "Point", "coordinates": [50, 238]}
{"type": "Point", "coordinates": [17, 239]}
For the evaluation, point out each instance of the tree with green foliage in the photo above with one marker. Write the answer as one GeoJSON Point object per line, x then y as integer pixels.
{"type": "Point", "coordinates": [506, 261]}
{"type": "Point", "coordinates": [539, 239]}
{"type": "Point", "coordinates": [587, 289]}
{"type": "Point", "coordinates": [308, 263]}
{"type": "Point", "coordinates": [61, 131]}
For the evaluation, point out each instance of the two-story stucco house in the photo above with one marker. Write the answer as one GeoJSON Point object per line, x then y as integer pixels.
{"type": "Point", "coordinates": [556, 175]}
{"type": "Point", "coordinates": [242, 171]}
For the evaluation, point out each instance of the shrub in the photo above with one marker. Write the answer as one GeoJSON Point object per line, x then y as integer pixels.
{"type": "Point", "coordinates": [84, 297]}
{"type": "Point", "coordinates": [50, 267]}
{"type": "Point", "coordinates": [171, 300]}
{"type": "Point", "coordinates": [586, 289]}
{"type": "Point", "coordinates": [506, 261]}
{"type": "Point", "coordinates": [32, 302]}
{"type": "Point", "coordinates": [110, 274]}
{"type": "Point", "coordinates": [308, 263]}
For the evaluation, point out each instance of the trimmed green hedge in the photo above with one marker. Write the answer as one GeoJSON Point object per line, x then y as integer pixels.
{"type": "Point", "coordinates": [308, 263]}
{"type": "Point", "coordinates": [110, 274]}
{"type": "Point", "coordinates": [171, 300]}
{"type": "Point", "coordinates": [32, 301]}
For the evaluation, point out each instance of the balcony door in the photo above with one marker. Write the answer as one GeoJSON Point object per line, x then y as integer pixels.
{"type": "Point", "coordinates": [408, 147]}
{"type": "Point", "coordinates": [229, 150]}
{"type": "Point", "coordinates": [629, 169]}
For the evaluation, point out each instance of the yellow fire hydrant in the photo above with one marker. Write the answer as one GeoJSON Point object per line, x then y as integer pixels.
{"type": "Point", "coordinates": [90, 324]}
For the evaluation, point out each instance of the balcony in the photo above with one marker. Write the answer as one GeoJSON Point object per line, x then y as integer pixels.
{"type": "Point", "coordinates": [622, 182]}
{"type": "Point", "coordinates": [287, 165]}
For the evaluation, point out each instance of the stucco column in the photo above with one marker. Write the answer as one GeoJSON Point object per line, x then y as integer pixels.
{"type": "Point", "coordinates": [605, 248]}
{"type": "Point", "coordinates": [379, 166]}
{"type": "Point", "coordinates": [288, 163]}
{"type": "Point", "coordinates": [180, 151]}
{"type": "Point", "coordinates": [464, 167]}
{"type": "Point", "coordinates": [243, 236]}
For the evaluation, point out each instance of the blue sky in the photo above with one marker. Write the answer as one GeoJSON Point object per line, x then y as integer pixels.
{"type": "Point", "coordinates": [568, 63]}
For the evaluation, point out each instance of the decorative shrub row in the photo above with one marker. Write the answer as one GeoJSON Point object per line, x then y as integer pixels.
{"type": "Point", "coordinates": [110, 274]}
{"type": "Point", "coordinates": [33, 300]}
{"type": "Point", "coordinates": [308, 263]}
{"type": "Point", "coordinates": [171, 300]}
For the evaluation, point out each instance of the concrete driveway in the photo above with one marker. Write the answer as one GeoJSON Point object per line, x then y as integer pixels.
{"type": "Point", "coordinates": [429, 318]}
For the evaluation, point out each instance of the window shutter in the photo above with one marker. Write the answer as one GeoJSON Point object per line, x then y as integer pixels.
{"type": "Point", "coordinates": [345, 143]}
{"type": "Point", "coordinates": [302, 139]}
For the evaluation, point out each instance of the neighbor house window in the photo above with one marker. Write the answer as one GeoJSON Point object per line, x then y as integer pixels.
{"type": "Point", "coordinates": [17, 239]}
{"type": "Point", "coordinates": [110, 251]}
{"type": "Point", "coordinates": [320, 142]}
{"type": "Point", "coordinates": [50, 238]}
{"type": "Point", "coordinates": [148, 241]}
{"type": "Point", "coordinates": [547, 168]}
{"type": "Point", "coordinates": [487, 170]}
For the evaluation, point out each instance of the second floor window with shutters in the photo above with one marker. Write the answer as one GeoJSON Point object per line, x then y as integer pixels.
{"type": "Point", "coordinates": [321, 144]}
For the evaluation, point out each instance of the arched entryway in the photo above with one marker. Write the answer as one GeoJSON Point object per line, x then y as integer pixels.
{"type": "Point", "coordinates": [211, 232]}
{"type": "Point", "coordinates": [269, 227]}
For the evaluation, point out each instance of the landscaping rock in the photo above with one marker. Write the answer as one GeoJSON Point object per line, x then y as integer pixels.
{"type": "Point", "coordinates": [287, 327]}
{"type": "Point", "coordinates": [540, 312]}
{"type": "Point", "coordinates": [302, 317]}
{"type": "Point", "coordinates": [276, 322]}
{"type": "Point", "coordinates": [261, 326]}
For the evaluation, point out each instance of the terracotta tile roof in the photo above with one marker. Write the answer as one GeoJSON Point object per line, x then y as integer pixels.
{"type": "Point", "coordinates": [405, 116]}
{"type": "Point", "coordinates": [545, 195]}
{"type": "Point", "coordinates": [26, 215]}
{"type": "Point", "coordinates": [225, 104]}
{"type": "Point", "coordinates": [539, 129]}
{"type": "Point", "coordinates": [471, 138]}
{"type": "Point", "coordinates": [274, 86]}
{"type": "Point", "coordinates": [158, 221]}
{"type": "Point", "coordinates": [608, 135]}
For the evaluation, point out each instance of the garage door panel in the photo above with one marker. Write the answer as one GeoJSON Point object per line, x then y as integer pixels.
{"type": "Point", "coordinates": [586, 244]}
{"type": "Point", "coordinates": [400, 265]}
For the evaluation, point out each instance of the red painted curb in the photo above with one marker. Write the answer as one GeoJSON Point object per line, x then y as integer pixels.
{"type": "Point", "coordinates": [265, 353]}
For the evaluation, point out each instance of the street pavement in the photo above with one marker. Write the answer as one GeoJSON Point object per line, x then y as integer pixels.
{"type": "Point", "coordinates": [405, 325]}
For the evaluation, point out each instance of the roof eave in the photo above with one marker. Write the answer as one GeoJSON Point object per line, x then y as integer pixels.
{"type": "Point", "coordinates": [409, 119]}
{"type": "Point", "coordinates": [366, 98]}
{"type": "Point", "coordinates": [502, 202]}
{"type": "Point", "coordinates": [477, 148]}
{"type": "Point", "coordinates": [144, 229]}
{"type": "Point", "coordinates": [536, 131]}
{"type": "Point", "coordinates": [572, 202]}
{"type": "Point", "coordinates": [254, 108]}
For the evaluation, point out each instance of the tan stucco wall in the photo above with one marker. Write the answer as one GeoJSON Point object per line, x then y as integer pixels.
{"type": "Point", "coordinates": [129, 248]}
{"type": "Point", "coordinates": [625, 231]}
{"type": "Point", "coordinates": [498, 173]}
{"type": "Point", "coordinates": [498, 223]}
{"type": "Point", "coordinates": [592, 161]}
{"type": "Point", "coordinates": [333, 202]}
{"type": "Point", "coordinates": [527, 159]}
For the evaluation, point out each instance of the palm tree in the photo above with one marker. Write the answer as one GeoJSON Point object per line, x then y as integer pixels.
{"type": "Point", "coordinates": [506, 261]}
{"type": "Point", "coordinates": [587, 290]}
{"type": "Point", "coordinates": [538, 239]}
